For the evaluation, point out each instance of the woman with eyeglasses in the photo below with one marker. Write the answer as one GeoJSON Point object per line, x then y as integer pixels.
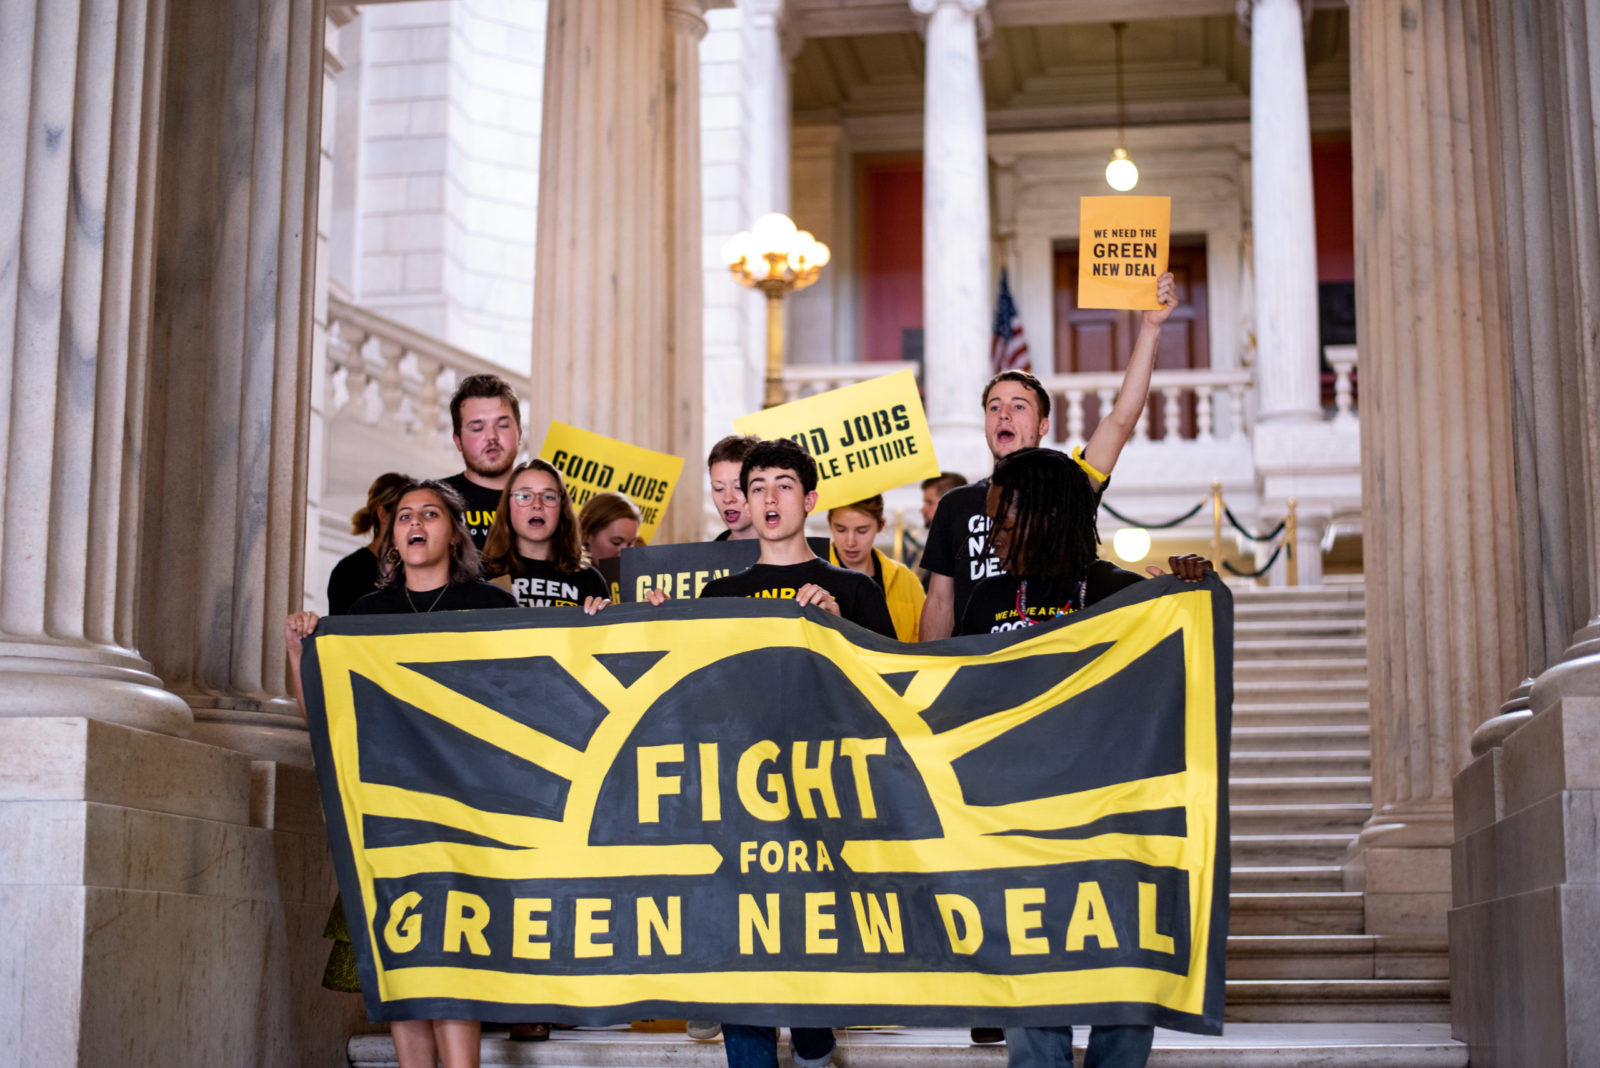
{"type": "Point", "coordinates": [534, 548]}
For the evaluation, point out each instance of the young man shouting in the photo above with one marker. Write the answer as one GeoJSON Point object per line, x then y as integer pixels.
{"type": "Point", "coordinates": [486, 424]}
{"type": "Point", "coordinates": [724, 466]}
{"type": "Point", "coordinates": [779, 481]}
{"type": "Point", "coordinates": [1016, 415]}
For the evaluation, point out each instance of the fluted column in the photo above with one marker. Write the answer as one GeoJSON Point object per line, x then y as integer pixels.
{"type": "Point", "coordinates": [81, 84]}
{"type": "Point", "coordinates": [1439, 515]}
{"type": "Point", "coordinates": [616, 343]}
{"type": "Point", "coordinates": [227, 438]}
{"type": "Point", "coordinates": [956, 301]}
{"type": "Point", "coordinates": [1282, 213]}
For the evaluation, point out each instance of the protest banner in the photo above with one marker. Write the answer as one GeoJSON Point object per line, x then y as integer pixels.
{"type": "Point", "coordinates": [1122, 250]}
{"type": "Point", "coordinates": [683, 570]}
{"type": "Point", "coordinates": [592, 463]}
{"type": "Point", "coordinates": [866, 438]}
{"type": "Point", "coordinates": [739, 809]}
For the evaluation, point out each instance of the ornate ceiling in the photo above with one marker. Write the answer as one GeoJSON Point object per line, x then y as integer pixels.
{"type": "Point", "coordinates": [1061, 75]}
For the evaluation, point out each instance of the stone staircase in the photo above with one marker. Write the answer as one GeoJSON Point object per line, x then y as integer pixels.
{"type": "Point", "coordinates": [1307, 984]}
{"type": "Point", "coordinates": [1300, 791]}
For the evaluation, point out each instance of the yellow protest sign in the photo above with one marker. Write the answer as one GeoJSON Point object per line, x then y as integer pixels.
{"type": "Point", "coordinates": [866, 438]}
{"type": "Point", "coordinates": [593, 463]}
{"type": "Point", "coordinates": [1122, 250]}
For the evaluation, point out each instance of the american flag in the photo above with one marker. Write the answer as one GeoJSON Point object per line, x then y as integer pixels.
{"type": "Point", "coordinates": [1010, 349]}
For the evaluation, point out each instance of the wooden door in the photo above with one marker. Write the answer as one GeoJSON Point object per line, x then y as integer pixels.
{"type": "Point", "coordinates": [1093, 339]}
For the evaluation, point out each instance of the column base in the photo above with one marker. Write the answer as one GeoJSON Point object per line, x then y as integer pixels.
{"type": "Point", "coordinates": [268, 729]}
{"type": "Point", "coordinates": [1577, 674]}
{"type": "Point", "coordinates": [1401, 863]}
{"type": "Point", "coordinates": [78, 679]}
{"type": "Point", "coordinates": [142, 870]}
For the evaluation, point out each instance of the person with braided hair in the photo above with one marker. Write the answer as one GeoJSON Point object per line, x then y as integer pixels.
{"type": "Point", "coordinates": [1043, 506]}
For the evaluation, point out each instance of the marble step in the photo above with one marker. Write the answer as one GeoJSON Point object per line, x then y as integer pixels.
{"type": "Point", "coordinates": [1314, 693]}
{"type": "Point", "coordinates": [1313, 669]}
{"type": "Point", "coordinates": [1317, 627]}
{"type": "Point", "coordinates": [1320, 790]}
{"type": "Point", "coordinates": [1244, 1045]}
{"type": "Point", "coordinates": [1286, 878]}
{"type": "Point", "coordinates": [1343, 956]}
{"type": "Point", "coordinates": [1253, 713]}
{"type": "Point", "coordinates": [1332, 913]}
{"type": "Point", "coordinates": [1292, 764]}
{"type": "Point", "coordinates": [1275, 739]}
{"type": "Point", "coordinates": [1278, 595]}
{"type": "Point", "coordinates": [1298, 819]}
{"type": "Point", "coordinates": [1356, 1000]}
{"type": "Point", "coordinates": [1256, 850]}
{"type": "Point", "coordinates": [1279, 646]}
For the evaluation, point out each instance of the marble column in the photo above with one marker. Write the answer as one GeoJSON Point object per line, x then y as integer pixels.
{"type": "Point", "coordinates": [1287, 360]}
{"type": "Point", "coordinates": [82, 88]}
{"type": "Point", "coordinates": [227, 437]}
{"type": "Point", "coordinates": [617, 343]}
{"type": "Point", "coordinates": [1438, 509]}
{"type": "Point", "coordinates": [1526, 862]}
{"type": "Point", "coordinates": [957, 308]}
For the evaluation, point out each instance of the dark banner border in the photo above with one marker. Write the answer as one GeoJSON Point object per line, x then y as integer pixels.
{"type": "Point", "coordinates": [1209, 1022]}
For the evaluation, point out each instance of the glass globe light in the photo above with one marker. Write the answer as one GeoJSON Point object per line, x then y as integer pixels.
{"type": "Point", "coordinates": [774, 232]}
{"type": "Point", "coordinates": [1131, 544]}
{"type": "Point", "coordinates": [737, 248]}
{"type": "Point", "coordinates": [1121, 174]}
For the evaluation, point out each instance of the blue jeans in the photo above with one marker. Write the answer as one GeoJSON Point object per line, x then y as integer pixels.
{"type": "Point", "coordinates": [1118, 1046]}
{"type": "Point", "coordinates": [750, 1046]}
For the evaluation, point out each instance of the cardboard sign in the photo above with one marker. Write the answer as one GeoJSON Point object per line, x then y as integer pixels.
{"type": "Point", "coordinates": [866, 438]}
{"type": "Point", "coordinates": [593, 463]}
{"type": "Point", "coordinates": [684, 570]}
{"type": "Point", "coordinates": [1122, 250]}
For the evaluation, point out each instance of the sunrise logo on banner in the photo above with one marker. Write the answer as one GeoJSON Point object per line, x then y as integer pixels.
{"type": "Point", "coordinates": [592, 463]}
{"type": "Point", "coordinates": [1122, 250]}
{"type": "Point", "coordinates": [742, 809]}
{"type": "Point", "coordinates": [866, 438]}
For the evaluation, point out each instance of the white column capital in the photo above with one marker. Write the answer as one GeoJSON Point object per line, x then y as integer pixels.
{"type": "Point", "coordinates": [1245, 10]}
{"type": "Point", "coordinates": [977, 10]}
{"type": "Point", "coordinates": [928, 7]}
{"type": "Point", "coordinates": [688, 16]}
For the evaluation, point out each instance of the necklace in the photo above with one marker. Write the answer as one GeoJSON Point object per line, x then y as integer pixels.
{"type": "Point", "coordinates": [1022, 602]}
{"type": "Point", "coordinates": [432, 606]}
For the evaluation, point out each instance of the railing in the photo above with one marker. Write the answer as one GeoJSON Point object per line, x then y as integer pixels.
{"type": "Point", "coordinates": [1342, 358]}
{"type": "Point", "coordinates": [384, 372]}
{"type": "Point", "coordinates": [804, 379]}
{"type": "Point", "coordinates": [1202, 405]}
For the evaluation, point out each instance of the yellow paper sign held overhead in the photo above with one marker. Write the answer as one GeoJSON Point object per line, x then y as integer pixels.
{"type": "Point", "coordinates": [1122, 250]}
{"type": "Point", "coordinates": [592, 463]}
{"type": "Point", "coordinates": [866, 438]}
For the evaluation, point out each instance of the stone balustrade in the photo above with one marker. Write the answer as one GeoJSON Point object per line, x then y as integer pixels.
{"type": "Point", "coordinates": [1201, 405]}
{"type": "Point", "coordinates": [803, 380]}
{"type": "Point", "coordinates": [1342, 358]}
{"type": "Point", "coordinates": [382, 372]}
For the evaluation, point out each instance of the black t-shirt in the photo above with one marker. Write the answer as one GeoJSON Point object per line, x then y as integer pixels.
{"type": "Point", "coordinates": [481, 504]}
{"type": "Point", "coordinates": [352, 579]}
{"type": "Point", "coordinates": [455, 597]}
{"type": "Point", "coordinates": [956, 540]}
{"type": "Point", "coordinates": [860, 599]}
{"type": "Point", "coordinates": [993, 604]}
{"type": "Point", "coordinates": [543, 585]}
{"type": "Point", "coordinates": [957, 534]}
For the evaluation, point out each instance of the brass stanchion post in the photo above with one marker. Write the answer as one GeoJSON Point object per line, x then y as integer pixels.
{"type": "Point", "coordinates": [1290, 528]}
{"type": "Point", "coordinates": [899, 535]}
{"type": "Point", "coordinates": [1216, 523]}
{"type": "Point", "coordinates": [774, 346]}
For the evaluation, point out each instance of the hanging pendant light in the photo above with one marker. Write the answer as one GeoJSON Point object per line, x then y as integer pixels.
{"type": "Point", "coordinates": [1121, 174]}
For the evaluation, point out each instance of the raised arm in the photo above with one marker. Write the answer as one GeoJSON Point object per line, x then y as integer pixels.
{"type": "Point", "coordinates": [1106, 443]}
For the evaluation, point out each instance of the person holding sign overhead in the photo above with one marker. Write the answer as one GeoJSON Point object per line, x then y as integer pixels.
{"type": "Point", "coordinates": [1016, 415]}
{"type": "Point", "coordinates": [534, 549]}
{"type": "Point", "coordinates": [854, 528]}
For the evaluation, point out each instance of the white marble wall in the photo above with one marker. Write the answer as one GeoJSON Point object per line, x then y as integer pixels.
{"type": "Point", "coordinates": [447, 202]}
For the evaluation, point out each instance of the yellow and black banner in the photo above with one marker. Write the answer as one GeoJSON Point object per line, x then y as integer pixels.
{"type": "Point", "coordinates": [746, 811]}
